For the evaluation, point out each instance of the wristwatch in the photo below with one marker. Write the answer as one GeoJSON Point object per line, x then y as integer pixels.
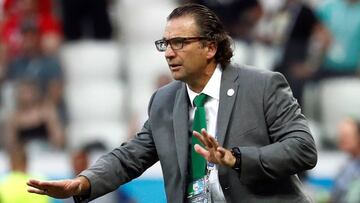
{"type": "Point", "coordinates": [237, 154]}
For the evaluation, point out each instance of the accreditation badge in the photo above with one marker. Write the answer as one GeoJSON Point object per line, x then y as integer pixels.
{"type": "Point", "coordinates": [210, 166]}
{"type": "Point", "coordinates": [200, 192]}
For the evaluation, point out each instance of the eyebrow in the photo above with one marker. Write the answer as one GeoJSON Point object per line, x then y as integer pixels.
{"type": "Point", "coordinates": [174, 37]}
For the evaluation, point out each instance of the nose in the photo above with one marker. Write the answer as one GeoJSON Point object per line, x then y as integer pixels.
{"type": "Point", "coordinates": [169, 52]}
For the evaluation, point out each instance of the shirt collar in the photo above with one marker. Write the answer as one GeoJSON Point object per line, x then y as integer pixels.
{"type": "Point", "coordinates": [212, 87]}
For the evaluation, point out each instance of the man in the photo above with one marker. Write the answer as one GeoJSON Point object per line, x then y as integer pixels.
{"type": "Point", "coordinates": [252, 114]}
{"type": "Point", "coordinates": [12, 184]}
{"type": "Point", "coordinates": [346, 185]}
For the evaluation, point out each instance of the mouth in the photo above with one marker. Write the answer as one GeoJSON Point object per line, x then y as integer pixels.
{"type": "Point", "coordinates": [174, 67]}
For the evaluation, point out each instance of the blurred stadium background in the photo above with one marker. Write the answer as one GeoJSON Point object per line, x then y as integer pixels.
{"type": "Point", "coordinates": [95, 65]}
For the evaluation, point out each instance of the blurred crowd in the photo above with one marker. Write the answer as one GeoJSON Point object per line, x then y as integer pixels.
{"type": "Point", "coordinates": [315, 44]}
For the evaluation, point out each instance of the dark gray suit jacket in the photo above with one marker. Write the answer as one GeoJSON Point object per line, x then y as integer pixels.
{"type": "Point", "coordinates": [262, 118]}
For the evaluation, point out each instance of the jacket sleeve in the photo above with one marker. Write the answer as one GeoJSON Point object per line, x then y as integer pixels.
{"type": "Point", "coordinates": [292, 147]}
{"type": "Point", "coordinates": [122, 164]}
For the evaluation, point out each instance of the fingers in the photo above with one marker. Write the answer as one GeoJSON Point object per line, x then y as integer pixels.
{"type": "Point", "coordinates": [32, 182]}
{"type": "Point", "coordinates": [36, 187]}
{"type": "Point", "coordinates": [201, 138]}
{"type": "Point", "coordinates": [212, 143]}
{"type": "Point", "coordinates": [35, 184]}
{"type": "Point", "coordinates": [212, 151]}
{"type": "Point", "coordinates": [37, 191]}
{"type": "Point", "coordinates": [42, 187]}
{"type": "Point", "coordinates": [41, 184]}
{"type": "Point", "coordinates": [208, 141]}
{"type": "Point", "coordinates": [203, 152]}
{"type": "Point", "coordinates": [56, 189]}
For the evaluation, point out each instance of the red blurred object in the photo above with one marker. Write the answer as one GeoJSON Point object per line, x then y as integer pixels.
{"type": "Point", "coordinates": [15, 18]}
{"type": "Point", "coordinates": [44, 6]}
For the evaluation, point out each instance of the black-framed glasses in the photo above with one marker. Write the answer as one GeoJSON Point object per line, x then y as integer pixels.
{"type": "Point", "coordinates": [176, 43]}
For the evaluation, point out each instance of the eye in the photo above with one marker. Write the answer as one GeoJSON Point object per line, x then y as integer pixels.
{"type": "Point", "coordinates": [177, 42]}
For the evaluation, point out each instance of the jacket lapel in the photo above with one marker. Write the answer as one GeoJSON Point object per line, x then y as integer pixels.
{"type": "Point", "coordinates": [228, 93]}
{"type": "Point", "coordinates": [181, 128]}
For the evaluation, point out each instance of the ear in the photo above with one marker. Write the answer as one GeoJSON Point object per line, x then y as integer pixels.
{"type": "Point", "coordinates": [211, 48]}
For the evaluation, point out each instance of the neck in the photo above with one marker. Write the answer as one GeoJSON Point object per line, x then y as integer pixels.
{"type": "Point", "coordinates": [199, 83]}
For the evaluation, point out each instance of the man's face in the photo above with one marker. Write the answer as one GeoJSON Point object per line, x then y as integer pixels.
{"type": "Point", "coordinates": [188, 63]}
{"type": "Point", "coordinates": [348, 137]}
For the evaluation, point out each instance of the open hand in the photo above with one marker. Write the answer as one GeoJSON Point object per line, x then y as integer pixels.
{"type": "Point", "coordinates": [59, 189]}
{"type": "Point", "coordinates": [213, 152]}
